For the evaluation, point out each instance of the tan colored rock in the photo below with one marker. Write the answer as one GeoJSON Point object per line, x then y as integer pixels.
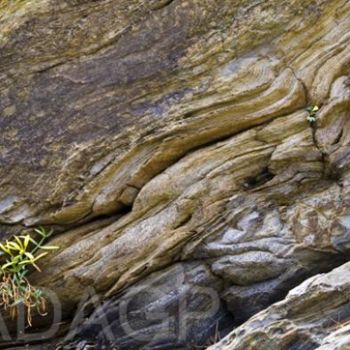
{"type": "Point", "coordinates": [162, 132]}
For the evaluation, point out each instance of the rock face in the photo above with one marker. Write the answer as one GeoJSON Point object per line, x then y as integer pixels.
{"type": "Point", "coordinates": [314, 315]}
{"type": "Point", "coordinates": [180, 305]}
{"type": "Point", "coordinates": [168, 145]}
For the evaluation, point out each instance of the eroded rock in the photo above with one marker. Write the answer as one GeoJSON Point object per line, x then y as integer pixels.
{"type": "Point", "coordinates": [314, 315]}
{"type": "Point", "coordinates": [179, 307]}
{"type": "Point", "coordinates": [175, 133]}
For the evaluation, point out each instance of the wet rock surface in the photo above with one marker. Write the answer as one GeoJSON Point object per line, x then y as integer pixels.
{"type": "Point", "coordinates": [168, 144]}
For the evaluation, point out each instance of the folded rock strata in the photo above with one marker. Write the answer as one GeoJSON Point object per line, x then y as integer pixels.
{"type": "Point", "coordinates": [172, 136]}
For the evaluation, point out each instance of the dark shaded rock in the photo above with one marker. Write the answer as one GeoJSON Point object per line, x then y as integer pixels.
{"type": "Point", "coordinates": [178, 308]}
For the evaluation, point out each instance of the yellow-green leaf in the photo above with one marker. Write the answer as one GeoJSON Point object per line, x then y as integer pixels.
{"type": "Point", "coordinates": [24, 262]}
{"type": "Point", "coordinates": [50, 247]}
{"type": "Point", "coordinates": [29, 255]}
{"type": "Point", "coordinates": [7, 265]}
{"type": "Point", "coordinates": [13, 246]}
{"type": "Point", "coordinates": [30, 239]}
{"type": "Point", "coordinates": [40, 231]}
{"type": "Point", "coordinates": [37, 267]}
{"type": "Point", "coordinates": [5, 249]}
{"type": "Point", "coordinates": [26, 241]}
{"type": "Point", "coordinates": [20, 244]}
{"type": "Point", "coordinates": [40, 256]}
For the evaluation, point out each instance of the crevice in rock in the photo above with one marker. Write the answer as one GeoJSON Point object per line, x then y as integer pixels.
{"type": "Point", "coordinates": [301, 81]}
{"type": "Point", "coordinates": [322, 153]}
{"type": "Point", "coordinates": [159, 4]}
{"type": "Point", "coordinates": [337, 140]}
{"type": "Point", "coordinates": [260, 179]}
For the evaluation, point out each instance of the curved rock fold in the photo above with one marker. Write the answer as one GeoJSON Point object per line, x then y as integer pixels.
{"type": "Point", "coordinates": [168, 145]}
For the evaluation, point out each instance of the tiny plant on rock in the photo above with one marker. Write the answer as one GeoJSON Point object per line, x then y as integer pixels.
{"type": "Point", "coordinates": [312, 114]}
{"type": "Point", "coordinates": [21, 255]}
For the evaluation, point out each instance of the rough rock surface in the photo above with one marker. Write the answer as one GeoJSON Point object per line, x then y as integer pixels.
{"type": "Point", "coordinates": [170, 138]}
{"type": "Point", "coordinates": [174, 306]}
{"type": "Point", "coordinates": [314, 315]}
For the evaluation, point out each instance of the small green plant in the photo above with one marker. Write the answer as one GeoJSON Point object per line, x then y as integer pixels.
{"type": "Point", "coordinates": [312, 113]}
{"type": "Point", "coordinates": [21, 255]}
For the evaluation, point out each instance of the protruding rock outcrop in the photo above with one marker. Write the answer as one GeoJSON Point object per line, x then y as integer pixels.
{"type": "Point", "coordinates": [315, 315]}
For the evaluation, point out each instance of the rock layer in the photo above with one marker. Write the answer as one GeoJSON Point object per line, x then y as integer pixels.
{"type": "Point", "coordinates": [175, 133]}
{"type": "Point", "coordinates": [314, 315]}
